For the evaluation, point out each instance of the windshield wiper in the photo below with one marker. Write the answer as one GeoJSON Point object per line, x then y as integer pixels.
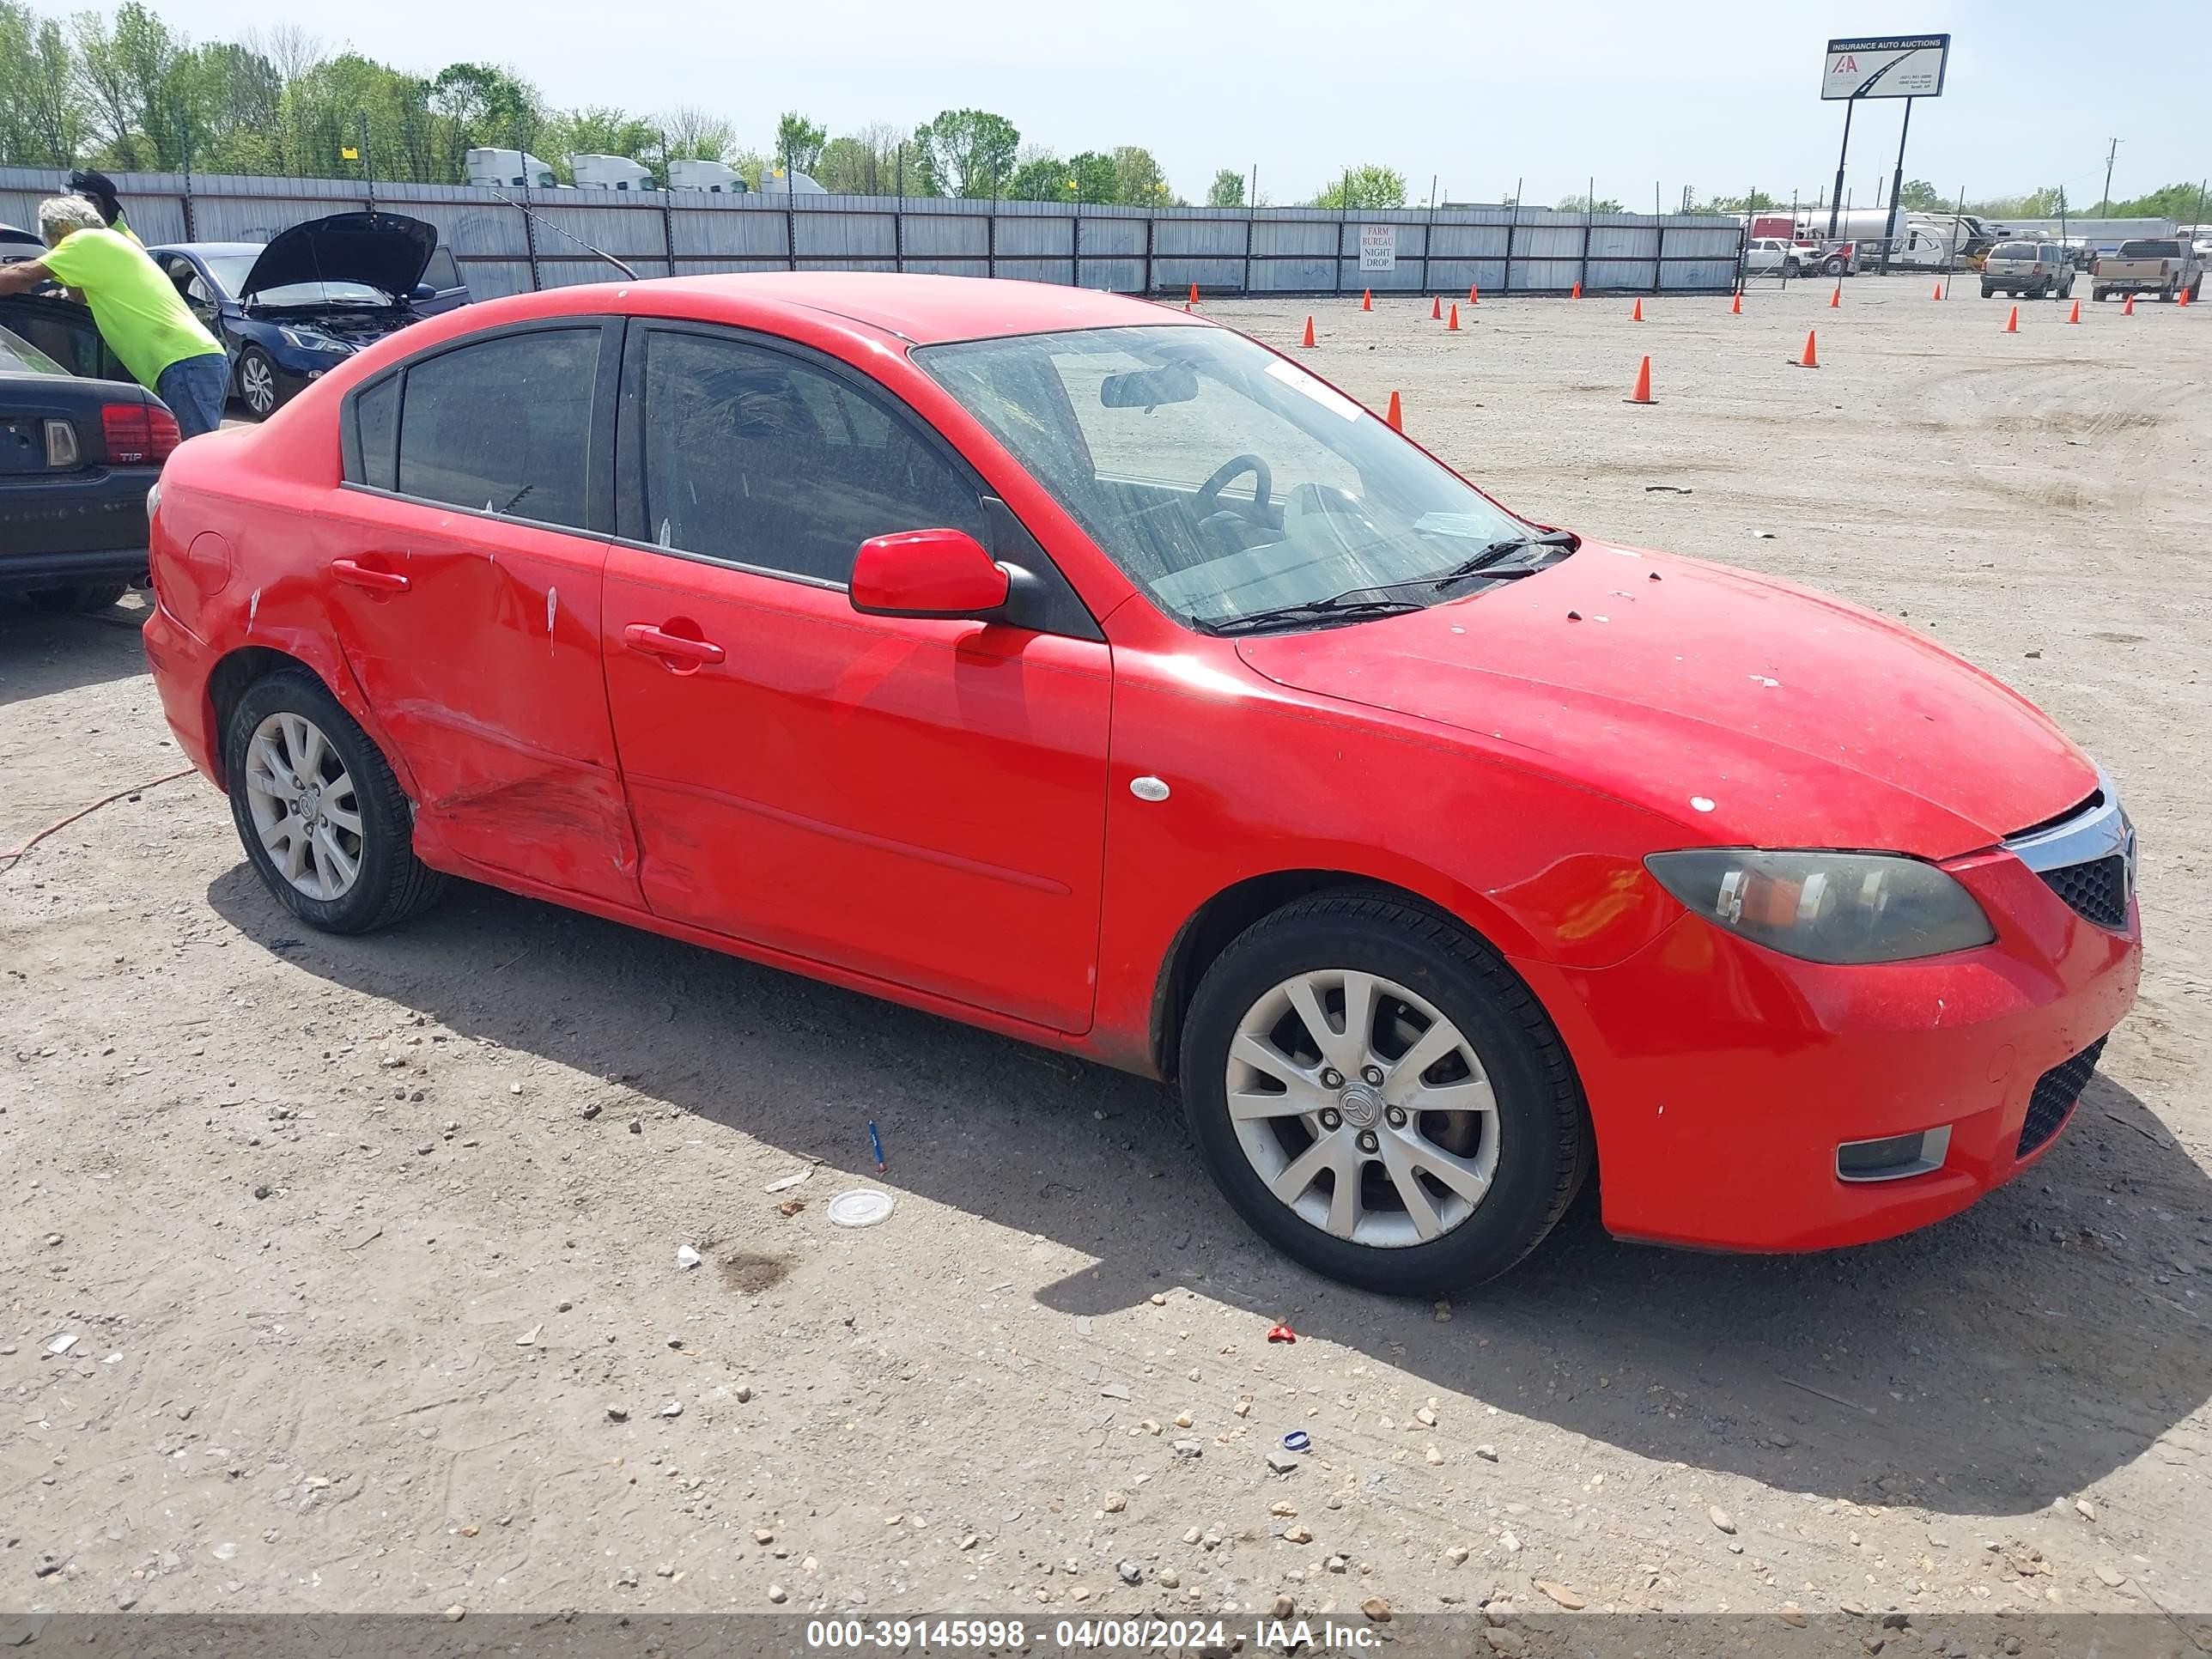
{"type": "Point", "coordinates": [1360, 602]}
{"type": "Point", "coordinates": [1484, 563]}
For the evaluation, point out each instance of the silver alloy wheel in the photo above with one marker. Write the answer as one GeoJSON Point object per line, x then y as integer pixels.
{"type": "Point", "coordinates": [304, 806]}
{"type": "Point", "coordinates": [256, 384]}
{"type": "Point", "coordinates": [1363, 1109]}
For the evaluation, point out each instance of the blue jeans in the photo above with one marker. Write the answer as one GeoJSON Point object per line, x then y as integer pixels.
{"type": "Point", "coordinates": [195, 390]}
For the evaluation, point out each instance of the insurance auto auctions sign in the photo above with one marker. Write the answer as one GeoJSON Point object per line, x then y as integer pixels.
{"type": "Point", "coordinates": [1886, 66]}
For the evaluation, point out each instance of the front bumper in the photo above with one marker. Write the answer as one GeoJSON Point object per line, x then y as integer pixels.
{"type": "Point", "coordinates": [1722, 1077]}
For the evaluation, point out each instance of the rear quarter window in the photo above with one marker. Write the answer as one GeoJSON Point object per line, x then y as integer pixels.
{"type": "Point", "coordinates": [376, 433]}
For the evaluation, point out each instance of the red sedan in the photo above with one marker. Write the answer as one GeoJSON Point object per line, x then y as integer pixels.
{"type": "Point", "coordinates": [1076, 668]}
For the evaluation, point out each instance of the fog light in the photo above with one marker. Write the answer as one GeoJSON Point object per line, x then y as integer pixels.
{"type": "Point", "coordinates": [1893, 1157]}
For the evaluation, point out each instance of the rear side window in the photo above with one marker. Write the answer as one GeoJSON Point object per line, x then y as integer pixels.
{"type": "Point", "coordinates": [376, 428]}
{"type": "Point", "coordinates": [2151, 250]}
{"type": "Point", "coordinates": [503, 426]}
{"type": "Point", "coordinates": [762, 460]}
{"type": "Point", "coordinates": [442, 273]}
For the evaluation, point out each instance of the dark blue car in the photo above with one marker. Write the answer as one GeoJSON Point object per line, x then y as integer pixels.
{"type": "Point", "coordinates": [291, 311]}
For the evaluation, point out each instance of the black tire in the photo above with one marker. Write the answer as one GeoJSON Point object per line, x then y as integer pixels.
{"type": "Point", "coordinates": [2196, 289]}
{"type": "Point", "coordinates": [1545, 1145]}
{"type": "Point", "coordinates": [392, 884]}
{"type": "Point", "coordinates": [1987, 290]}
{"type": "Point", "coordinates": [1834, 267]}
{"type": "Point", "coordinates": [257, 386]}
{"type": "Point", "coordinates": [81, 597]}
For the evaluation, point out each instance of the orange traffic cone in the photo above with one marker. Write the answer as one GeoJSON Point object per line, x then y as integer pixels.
{"type": "Point", "coordinates": [1811, 358]}
{"type": "Point", "coordinates": [1643, 392]}
{"type": "Point", "coordinates": [1577, 293]}
{"type": "Point", "coordinates": [1637, 314]}
{"type": "Point", "coordinates": [1938, 294]}
{"type": "Point", "coordinates": [1395, 416]}
{"type": "Point", "coordinates": [2074, 315]}
{"type": "Point", "coordinates": [1435, 308]}
{"type": "Point", "coordinates": [2012, 322]}
{"type": "Point", "coordinates": [1452, 325]}
{"type": "Point", "coordinates": [2129, 309]}
{"type": "Point", "coordinates": [1193, 295]}
{"type": "Point", "coordinates": [2184, 299]}
{"type": "Point", "coordinates": [1308, 342]}
{"type": "Point", "coordinates": [1736, 303]}
{"type": "Point", "coordinates": [1836, 299]}
{"type": "Point", "coordinates": [1474, 293]}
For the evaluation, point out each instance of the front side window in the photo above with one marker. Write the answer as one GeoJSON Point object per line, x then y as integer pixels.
{"type": "Point", "coordinates": [1226, 482]}
{"type": "Point", "coordinates": [503, 426]}
{"type": "Point", "coordinates": [762, 460]}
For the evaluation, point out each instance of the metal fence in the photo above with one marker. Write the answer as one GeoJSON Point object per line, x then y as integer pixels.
{"type": "Point", "coordinates": [1506, 249]}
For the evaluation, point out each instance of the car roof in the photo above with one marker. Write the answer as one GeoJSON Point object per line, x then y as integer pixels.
{"type": "Point", "coordinates": [926, 310]}
{"type": "Point", "coordinates": [204, 249]}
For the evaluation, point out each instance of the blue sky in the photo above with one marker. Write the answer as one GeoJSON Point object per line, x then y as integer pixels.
{"type": "Point", "coordinates": [1718, 96]}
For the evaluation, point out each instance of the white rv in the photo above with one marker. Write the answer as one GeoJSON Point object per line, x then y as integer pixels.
{"type": "Point", "coordinates": [718, 176]}
{"type": "Point", "coordinates": [609, 173]}
{"type": "Point", "coordinates": [774, 181]}
{"type": "Point", "coordinates": [510, 169]}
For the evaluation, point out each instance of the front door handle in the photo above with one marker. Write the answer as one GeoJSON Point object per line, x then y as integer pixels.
{"type": "Point", "coordinates": [368, 576]}
{"type": "Point", "coordinates": [656, 642]}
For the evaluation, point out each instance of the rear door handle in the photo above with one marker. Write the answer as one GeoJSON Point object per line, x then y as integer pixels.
{"type": "Point", "coordinates": [362, 576]}
{"type": "Point", "coordinates": [654, 642]}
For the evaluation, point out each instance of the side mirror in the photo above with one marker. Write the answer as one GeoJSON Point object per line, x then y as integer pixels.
{"type": "Point", "coordinates": [424, 291]}
{"type": "Point", "coordinates": [927, 573]}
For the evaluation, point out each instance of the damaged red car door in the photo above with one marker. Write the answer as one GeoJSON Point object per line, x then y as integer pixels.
{"type": "Point", "coordinates": [464, 579]}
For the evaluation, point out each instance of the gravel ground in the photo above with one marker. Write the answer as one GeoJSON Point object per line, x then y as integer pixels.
{"type": "Point", "coordinates": [366, 1251]}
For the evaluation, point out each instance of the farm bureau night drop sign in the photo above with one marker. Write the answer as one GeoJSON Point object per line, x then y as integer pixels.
{"type": "Point", "coordinates": [1378, 248]}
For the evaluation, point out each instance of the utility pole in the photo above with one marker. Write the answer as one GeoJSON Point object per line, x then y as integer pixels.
{"type": "Point", "coordinates": [2105, 207]}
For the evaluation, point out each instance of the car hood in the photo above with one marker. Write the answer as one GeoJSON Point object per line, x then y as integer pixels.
{"type": "Point", "coordinates": [1747, 711]}
{"type": "Point", "coordinates": [388, 250]}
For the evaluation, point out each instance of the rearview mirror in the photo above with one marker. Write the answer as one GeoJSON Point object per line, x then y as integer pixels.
{"type": "Point", "coordinates": [927, 573]}
{"type": "Point", "coordinates": [1148, 388]}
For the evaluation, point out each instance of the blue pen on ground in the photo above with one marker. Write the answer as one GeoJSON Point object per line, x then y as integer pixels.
{"type": "Point", "coordinates": [875, 1143]}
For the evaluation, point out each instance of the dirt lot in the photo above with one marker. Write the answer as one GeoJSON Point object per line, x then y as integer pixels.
{"type": "Point", "coordinates": [369, 1248]}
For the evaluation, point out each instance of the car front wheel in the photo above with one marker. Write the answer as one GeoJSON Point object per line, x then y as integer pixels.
{"type": "Point", "coordinates": [257, 382]}
{"type": "Point", "coordinates": [319, 810]}
{"type": "Point", "coordinates": [1380, 1096]}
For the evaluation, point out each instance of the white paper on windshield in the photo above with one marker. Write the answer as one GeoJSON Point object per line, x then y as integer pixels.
{"type": "Point", "coordinates": [1475, 528]}
{"type": "Point", "coordinates": [1329, 398]}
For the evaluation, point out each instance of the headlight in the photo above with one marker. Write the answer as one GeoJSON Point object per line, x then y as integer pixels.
{"type": "Point", "coordinates": [308, 340]}
{"type": "Point", "coordinates": [1827, 906]}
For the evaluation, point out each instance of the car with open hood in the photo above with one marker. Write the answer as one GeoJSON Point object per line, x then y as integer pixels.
{"type": "Point", "coordinates": [1075, 667]}
{"type": "Point", "coordinates": [289, 312]}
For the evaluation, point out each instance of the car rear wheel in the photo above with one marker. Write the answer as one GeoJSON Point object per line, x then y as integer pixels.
{"type": "Point", "coordinates": [257, 382]}
{"type": "Point", "coordinates": [1380, 1096]}
{"type": "Point", "coordinates": [80, 596]}
{"type": "Point", "coordinates": [319, 810]}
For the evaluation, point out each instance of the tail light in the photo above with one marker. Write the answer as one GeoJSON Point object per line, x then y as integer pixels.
{"type": "Point", "coordinates": [138, 435]}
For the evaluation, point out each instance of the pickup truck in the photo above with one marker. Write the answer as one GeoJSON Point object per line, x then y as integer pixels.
{"type": "Point", "coordinates": [2162, 266]}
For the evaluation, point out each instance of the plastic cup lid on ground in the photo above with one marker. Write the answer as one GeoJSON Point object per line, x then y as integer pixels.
{"type": "Point", "coordinates": [863, 1206]}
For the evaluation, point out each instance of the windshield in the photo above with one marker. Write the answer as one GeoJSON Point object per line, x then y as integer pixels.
{"type": "Point", "coordinates": [230, 270]}
{"type": "Point", "coordinates": [18, 353]}
{"type": "Point", "coordinates": [1223, 480]}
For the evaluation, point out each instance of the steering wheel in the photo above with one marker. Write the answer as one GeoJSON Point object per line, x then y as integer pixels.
{"type": "Point", "coordinates": [1263, 489]}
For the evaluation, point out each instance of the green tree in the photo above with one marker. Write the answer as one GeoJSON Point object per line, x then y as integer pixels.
{"type": "Point", "coordinates": [41, 121]}
{"type": "Point", "coordinates": [483, 106]}
{"type": "Point", "coordinates": [2185, 203]}
{"type": "Point", "coordinates": [1040, 176]}
{"type": "Point", "coordinates": [1095, 179]}
{"type": "Point", "coordinates": [1756, 201]}
{"type": "Point", "coordinates": [1139, 180]}
{"type": "Point", "coordinates": [1918, 196]}
{"type": "Point", "coordinates": [697, 134]}
{"type": "Point", "coordinates": [966, 152]}
{"type": "Point", "coordinates": [799, 142]}
{"type": "Point", "coordinates": [1369, 186]}
{"type": "Point", "coordinates": [1227, 188]}
{"type": "Point", "coordinates": [1589, 204]}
